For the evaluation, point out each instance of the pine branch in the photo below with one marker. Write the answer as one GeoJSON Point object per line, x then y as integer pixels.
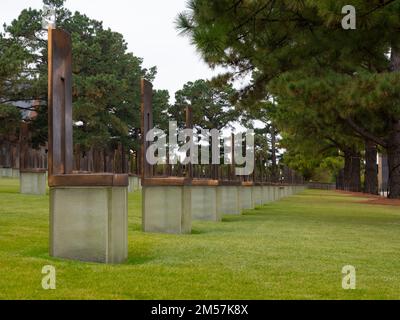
{"type": "Point", "coordinates": [235, 6]}
{"type": "Point", "coordinates": [382, 5]}
{"type": "Point", "coordinates": [252, 16]}
{"type": "Point", "coordinates": [365, 133]}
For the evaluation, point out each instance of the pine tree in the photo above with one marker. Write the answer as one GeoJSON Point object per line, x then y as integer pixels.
{"type": "Point", "coordinates": [271, 38]}
{"type": "Point", "coordinates": [211, 105]}
{"type": "Point", "coordinates": [106, 78]}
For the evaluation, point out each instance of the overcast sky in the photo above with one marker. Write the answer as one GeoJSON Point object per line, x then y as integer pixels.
{"type": "Point", "coordinates": [148, 27]}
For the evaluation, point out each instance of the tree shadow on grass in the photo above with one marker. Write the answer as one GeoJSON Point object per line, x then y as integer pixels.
{"type": "Point", "coordinates": [37, 252]}
{"type": "Point", "coordinates": [140, 254]}
{"type": "Point", "coordinates": [135, 257]}
{"type": "Point", "coordinates": [11, 192]}
{"type": "Point", "coordinates": [247, 217]}
{"type": "Point", "coordinates": [254, 212]}
{"type": "Point", "coordinates": [208, 231]}
{"type": "Point", "coordinates": [198, 231]}
{"type": "Point", "coordinates": [138, 260]}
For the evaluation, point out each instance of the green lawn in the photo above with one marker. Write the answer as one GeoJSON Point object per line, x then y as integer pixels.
{"type": "Point", "coordinates": [292, 249]}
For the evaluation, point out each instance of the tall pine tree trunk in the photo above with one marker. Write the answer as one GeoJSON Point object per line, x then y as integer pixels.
{"type": "Point", "coordinates": [355, 184]}
{"type": "Point", "coordinates": [340, 180]}
{"type": "Point", "coordinates": [371, 168]}
{"type": "Point", "coordinates": [347, 171]}
{"type": "Point", "coordinates": [393, 152]}
{"type": "Point", "coordinates": [393, 147]}
{"type": "Point", "coordinates": [352, 171]}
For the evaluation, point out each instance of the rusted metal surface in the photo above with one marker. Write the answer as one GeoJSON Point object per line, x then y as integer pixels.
{"type": "Point", "coordinates": [204, 182]}
{"type": "Point", "coordinates": [147, 170]}
{"type": "Point", "coordinates": [60, 102]}
{"type": "Point", "coordinates": [201, 175]}
{"type": "Point", "coordinates": [146, 124]}
{"type": "Point", "coordinates": [33, 170]}
{"type": "Point", "coordinates": [259, 184]}
{"type": "Point", "coordinates": [30, 159]}
{"type": "Point", "coordinates": [23, 146]}
{"type": "Point", "coordinates": [148, 177]}
{"type": "Point", "coordinates": [9, 155]}
{"type": "Point", "coordinates": [89, 180]}
{"type": "Point", "coordinates": [60, 146]}
{"type": "Point", "coordinates": [99, 160]}
{"type": "Point", "coordinates": [230, 183]}
{"type": "Point", "coordinates": [170, 181]}
{"type": "Point", "coordinates": [189, 125]}
{"type": "Point", "coordinates": [232, 167]}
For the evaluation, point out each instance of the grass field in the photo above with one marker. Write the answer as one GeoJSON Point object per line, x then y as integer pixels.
{"type": "Point", "coordinates": [292, 249]}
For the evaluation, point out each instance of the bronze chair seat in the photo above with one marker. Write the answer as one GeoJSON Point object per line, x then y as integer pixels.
{"type": "Point", "coordinates": [89, 180]}
{"type": "Point", "coordinates": [25, 170]}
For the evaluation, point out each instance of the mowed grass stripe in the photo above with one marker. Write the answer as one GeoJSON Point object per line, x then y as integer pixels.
{"type": "Point", "coordinates": [291, 249]}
